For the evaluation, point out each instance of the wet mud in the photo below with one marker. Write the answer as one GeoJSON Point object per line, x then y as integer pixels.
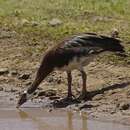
{"type": "Point", "coordinates": [43, 116]}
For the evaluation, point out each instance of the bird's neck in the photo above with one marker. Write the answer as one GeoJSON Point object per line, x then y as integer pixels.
{"type": "Point", "coordinates": [42, 73]}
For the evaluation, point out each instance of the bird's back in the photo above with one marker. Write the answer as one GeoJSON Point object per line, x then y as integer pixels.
{"type": "Point", "coordinates": [88, 40]}
{"type": "Point", "coordinates": [79, 50]}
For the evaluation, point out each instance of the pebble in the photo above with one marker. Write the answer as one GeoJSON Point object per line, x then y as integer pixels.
{"type": "Point", "coordinates": [123, 106]}
{"type": "Point", "coordinates": [24, 22]}
{"type": "Point", "coordinates": [13, 72]}
{"type": "Point", "coordinates": [50, 110]}
{"type": "Point", "coordinates": [128, 93]}
{"type": "Point", "coordinates": [24, 76]}
{"type": "Point", "coordinates": [29, 83]}
{"type": "Point", "coordinates": [54, 97]}
{"type": "Point", "coordinates": [1, 89]}
{"type": "Point", "coordinates": [4, 71]}
{"type": "Point", "coordinates": [13, 90]}
{"type": "Point", "coordinates": [34, 23]}
{"type": "Point", "coordinates": [112, 112]}
{"type": "Point", "coordinates": [98, 97]}
{"type": "Point", "coordinates": [11, 99]}
{"type": "Point", "coordinates": [5, 34]}
{"type": "Point", "coordinates": [50, 79]}
{"type": "Point", "coordinates": [10, 90]}
{"type": "Point", "coordinates": [55, 22]}
{"type": "Point", "coordinates": [110, 92]}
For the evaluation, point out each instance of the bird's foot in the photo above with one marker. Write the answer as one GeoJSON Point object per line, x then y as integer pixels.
{"type": "Point", "coordinates": [69, 99]}
{"type": "Point", "coordinates": [66, 101]}
{"type": "Point", "coordinates": [84, 96]}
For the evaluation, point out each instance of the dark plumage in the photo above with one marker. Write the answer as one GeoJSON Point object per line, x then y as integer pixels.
{"type": "Point", "coordinates": [72, 53]}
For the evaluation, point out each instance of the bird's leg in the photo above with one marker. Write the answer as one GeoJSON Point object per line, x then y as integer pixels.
{"type": "Point", "coordinates": [84, 88]}
{"type": "Point", "coordinates": [70, 96]}
{"type": "Point", "coordinates": [84, 78]}
{"type": "Point", "coordinates": [69, 79]}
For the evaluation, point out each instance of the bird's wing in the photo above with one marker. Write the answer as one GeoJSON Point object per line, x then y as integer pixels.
{"type": "Point", "coordinates": [64, 55]}
{"type": "Point", "coordinates": [88, 40]}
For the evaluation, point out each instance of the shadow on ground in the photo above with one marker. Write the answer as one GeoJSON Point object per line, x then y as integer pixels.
{"type": "Point", "coordinates": [62, 103]}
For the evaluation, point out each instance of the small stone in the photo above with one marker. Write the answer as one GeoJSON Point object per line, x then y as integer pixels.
{"type": "Point", "coordinates": [17, 96]}
{"type": "Point", "coordinates": [128, 93]}
{"type": "Point", "coordinates": [113, 112]}
{"type": "Point", "coordinates": [5, 34]}
{"type": "Point", "coordinates": [4, 71]}
{"type": "Point", "coordinates": [24, 22]}
{"type": "Point", "coordinates": [54, 97]}
{"type": "Point", "coordinates": [40, 100]}
{"type": "Point", "coordinates": [98, 97]}
{"type": "Point", "coordinates": [17, 12]}
{"type": "Point", "coordinates": [47, 93]}
{"type": "Point", "coordinates": [110, 92]}
{"type": "Point", "coordinates": [13, 72]}
{"type": "Point", "coordinates": [55, 22]}
{"type": "Point", "coordinates": [28, 83]}
{"type": "Point", "coordinates": [24, 76]}
{"type": "Point", "coordinates": [123, 106]}
{"type": "Point", "coordinates": [50, 79]}
{"type": "Point", "coordinates": [7, 89]}
{"type": "Point", "coordinates": [126, 112]}
{"type": "Point", "coordinates": [1, 89]}
{"type": "Point", "coordinates": [13, 90]}
{"type": "Point", "coordinates": [58, 81]}
{"type": "Point", "coordinates": [50, 110]}
{"type": "Point", "coordinates": [34, 23]}
{"type": "Point", "coordinates": [41, 93]}
{"type": "Point", "coordinates": [11, 99]}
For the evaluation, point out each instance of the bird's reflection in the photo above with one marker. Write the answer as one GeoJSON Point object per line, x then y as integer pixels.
{"type": "Point", "coordinates": [71, 124]}
{"type": "Point", "coordinates": [70, 120]}
{"type": "Point", "coordinates": [84, 121]}
{"type": "Point", "coordinates": [23, 115]}
{"type": "Point", "coordinates": [41, 124]}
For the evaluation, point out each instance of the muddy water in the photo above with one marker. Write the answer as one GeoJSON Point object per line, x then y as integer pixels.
{"type": "Point", "coordinates": [33, 117]}
{"type": "Point", "coordinates": [39, 119]}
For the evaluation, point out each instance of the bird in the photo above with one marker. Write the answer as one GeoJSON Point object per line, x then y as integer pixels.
{"type": "Point", "coordinates": [72, 53]}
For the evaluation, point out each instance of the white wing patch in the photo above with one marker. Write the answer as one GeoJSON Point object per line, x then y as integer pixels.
{"type": "Point", "coordinates": [76, 63]}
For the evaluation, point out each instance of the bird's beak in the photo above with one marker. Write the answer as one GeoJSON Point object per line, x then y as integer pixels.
{"type": "Point", "coordinates": [22, 100]}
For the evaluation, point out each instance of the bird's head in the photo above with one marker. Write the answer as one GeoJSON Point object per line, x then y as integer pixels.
{"type": "Point", "coordinates": [117, 47]}
{"type": "Point", "coordinates": [23, 98]}
{"type": "Point", "coordinates": [112, 45]}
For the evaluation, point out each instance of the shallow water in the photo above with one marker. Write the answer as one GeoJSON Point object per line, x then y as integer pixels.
{"type": "Point", "coordinates": [32, 117]}
{"type": "Point", "coordinates": [39, 119]}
